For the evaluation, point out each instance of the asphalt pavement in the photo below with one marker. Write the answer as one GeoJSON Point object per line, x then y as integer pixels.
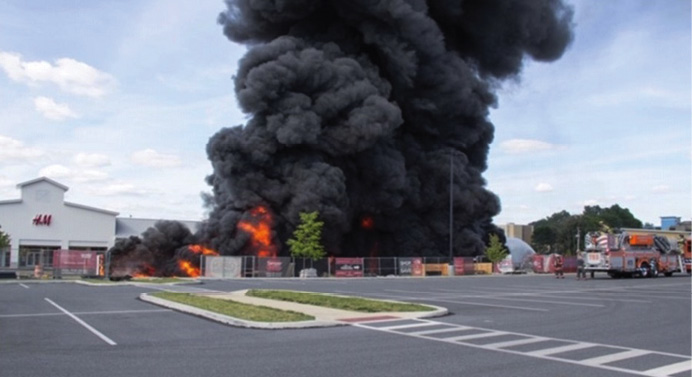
{"type": "Point", "coordinates": [497, 325]}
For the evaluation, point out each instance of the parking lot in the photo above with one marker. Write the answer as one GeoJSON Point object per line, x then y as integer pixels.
{"type": "Point", "coordinates": [531, 325]}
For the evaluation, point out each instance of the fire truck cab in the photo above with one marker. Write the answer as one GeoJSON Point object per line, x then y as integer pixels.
{"type": "Point", "coordinates": [625, 255]}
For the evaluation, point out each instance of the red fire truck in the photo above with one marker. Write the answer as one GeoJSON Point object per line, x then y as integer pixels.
{"type": "Point", "coordinates": [687, 255]}
{"type": "Point", "coordinates": [628, 255]}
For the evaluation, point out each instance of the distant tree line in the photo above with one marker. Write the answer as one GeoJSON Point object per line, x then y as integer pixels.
{"type": "Point", "coordinates": [558, 232]}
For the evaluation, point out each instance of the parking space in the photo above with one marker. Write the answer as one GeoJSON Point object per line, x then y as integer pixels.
{"type": "Point", "coordinates": [539, 326]}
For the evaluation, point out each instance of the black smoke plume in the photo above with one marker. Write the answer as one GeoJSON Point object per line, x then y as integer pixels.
{"type": "Point", "coordinates": [357, 109]}
{"type": "Point", "coordinates": [158, 252]}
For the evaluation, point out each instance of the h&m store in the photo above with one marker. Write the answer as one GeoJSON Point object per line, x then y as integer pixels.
{"type": "Point", "coordinates": [41, 221]}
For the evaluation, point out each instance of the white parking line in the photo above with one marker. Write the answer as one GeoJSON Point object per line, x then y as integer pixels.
{"type": "Point", "coordinates": [428, 298]}
{"type": "Point", "coordinates": [23, 285]}
{"type": "Point", "coordinates": [543, 301]}
{"type": "Point", "coordinates": [85, 313]}
{"type": "Point", "coordinates": [488, 305]}
{"type": "Point", "coordinates": [86, 325]}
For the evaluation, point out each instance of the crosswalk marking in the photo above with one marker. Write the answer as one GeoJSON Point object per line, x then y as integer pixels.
{"type": "Point", "coordinates": [518, 342]}
{"type": "Point", "coordinates": [671, 369]}
{"type": "Point", "coordinates": [614, 357]}
{"type": "Point", "coordinates": [411, 325]}
{"type": "Point", "coordinates": [548, 352]}
{"type": "Point", "coordinates": [473, 336]}
{"type": "Point", "coordinates": [554, 350]}
{"type": "Point", "coordinates": [437, 331]}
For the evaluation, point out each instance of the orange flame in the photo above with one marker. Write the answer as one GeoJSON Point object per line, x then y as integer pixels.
{"type": "Point", "coordinates": [188, 268]}
{"type": "Point", "coordinates": [259, 228]}
{"type": "Point", "coordinates": [367, 222]}
{"type": "Point", "coordinates": [145, 271]}
{"type": "Point", "coordinates": [199, 249]}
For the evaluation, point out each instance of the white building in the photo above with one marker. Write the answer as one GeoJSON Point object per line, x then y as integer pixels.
{"type": "Point", "coordinates": [42, 221]}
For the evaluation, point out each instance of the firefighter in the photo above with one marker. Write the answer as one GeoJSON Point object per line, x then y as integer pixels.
{"type": "Point", "coordinates": [581, 271]}
{"type": "Point", "coordinates": [557, 264]}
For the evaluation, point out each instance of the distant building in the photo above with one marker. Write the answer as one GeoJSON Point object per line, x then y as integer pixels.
{"type": "Point", "coordinates": [41, 221]}
{"type": "Point", "coordinates": [685, 226]}
{"type": "Point", "coordinates": [669, 221]}
{"type": "Point", "coordinates": [522, 232]}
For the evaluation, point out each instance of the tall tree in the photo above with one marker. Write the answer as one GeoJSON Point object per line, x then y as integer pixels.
{"type": "Point", "coordinates": [558, 232]}
{"type": "Point", "coordinates": [495, 251]}
{"type": "Point", "coordinates": [307, 238]}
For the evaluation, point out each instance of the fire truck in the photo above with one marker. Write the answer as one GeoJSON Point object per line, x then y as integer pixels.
{"type": "Point", "coordinates": [630, 255]}
{"type": "Point", "coordinates": [687, 255]}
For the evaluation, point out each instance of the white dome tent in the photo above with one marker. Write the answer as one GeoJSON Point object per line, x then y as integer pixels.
{"type": "Point", "coordinates": [520, 258]}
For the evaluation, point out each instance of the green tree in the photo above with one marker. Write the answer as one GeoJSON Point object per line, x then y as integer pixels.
{"type": "Point", "coordinates": [307, 238]}
{"type": "Point", "coordinates": [558, 233]}
{"type": "Point", "coordinates": [496, 251]}
{"type": "Point", "coordinates": [4, 240]}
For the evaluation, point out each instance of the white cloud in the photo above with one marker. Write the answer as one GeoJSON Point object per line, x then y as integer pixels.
{"type": "Point", "coordinates": [543, 187]}
{"type": "Point", "coordinates": [52, 110]}
{"type": "Point", "coordinates": [58, 171]}
{"type": "Point", "coordinates": [516, 146]}
{"type": "Point", "coordinates": [660, 189]}
{"type": "Point", "coordinates": [11, 149]}
{"type": "Point", "coordinates": [5, 182]}
{"type": "Point", "coordinates": [70, 75]}
{"type": "Point", "coordinates": [118, 189]}
{"type": "Point", "coordinates": [91, 160]}
{"type": "Point", "coordinates": [590, 202]}
{"type": "Point", "coordinates": [150, 157]}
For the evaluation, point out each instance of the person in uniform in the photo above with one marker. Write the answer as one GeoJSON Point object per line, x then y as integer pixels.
{"type": "Point", "coordinates": [557, 264]}
{"type": "Point", "coordinates": [581, 271]}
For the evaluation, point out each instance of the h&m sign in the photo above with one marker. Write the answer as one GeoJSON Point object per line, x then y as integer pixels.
{"type": "Point", "coordinates": [42, 219]}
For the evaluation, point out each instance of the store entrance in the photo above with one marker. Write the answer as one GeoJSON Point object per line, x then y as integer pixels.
{"type": "Point", "coordinates": [31, 256]}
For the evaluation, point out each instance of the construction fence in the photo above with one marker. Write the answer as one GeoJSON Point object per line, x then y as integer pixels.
{"type": "Point", "coordinates": [251, 266]}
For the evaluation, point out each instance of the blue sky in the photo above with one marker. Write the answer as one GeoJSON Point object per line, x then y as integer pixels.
{"type": "Point", "coordinates": [117, 100]}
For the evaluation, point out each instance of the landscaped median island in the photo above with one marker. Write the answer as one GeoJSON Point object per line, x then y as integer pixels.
{"type": "Point", "coordinates": [234, 309]}
{"type": "Point", "coordinates": [274, 309]}
{"type": "Point", "coordinates": [356, 304]}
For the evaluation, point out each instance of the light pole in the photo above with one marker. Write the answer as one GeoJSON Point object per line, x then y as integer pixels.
{"type": "Point", "coordinates": [451, 213]}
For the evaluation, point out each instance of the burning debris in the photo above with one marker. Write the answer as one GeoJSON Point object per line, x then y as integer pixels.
{"type": "Point", "coordinates": [358, 108]}
{"type": "Point", "coordinates": [167, 249]}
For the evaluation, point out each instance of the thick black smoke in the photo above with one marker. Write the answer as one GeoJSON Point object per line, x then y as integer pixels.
{"type": "Point", "coordinates": [158, 252]}
{"type": "Point", "coordinates": [356, 108]}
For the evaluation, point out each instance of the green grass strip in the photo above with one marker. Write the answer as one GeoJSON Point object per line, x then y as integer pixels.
{"type": "Point", "coordinates": [234, 309]}
{"type": "Point", "coordinates": [356, 304]}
